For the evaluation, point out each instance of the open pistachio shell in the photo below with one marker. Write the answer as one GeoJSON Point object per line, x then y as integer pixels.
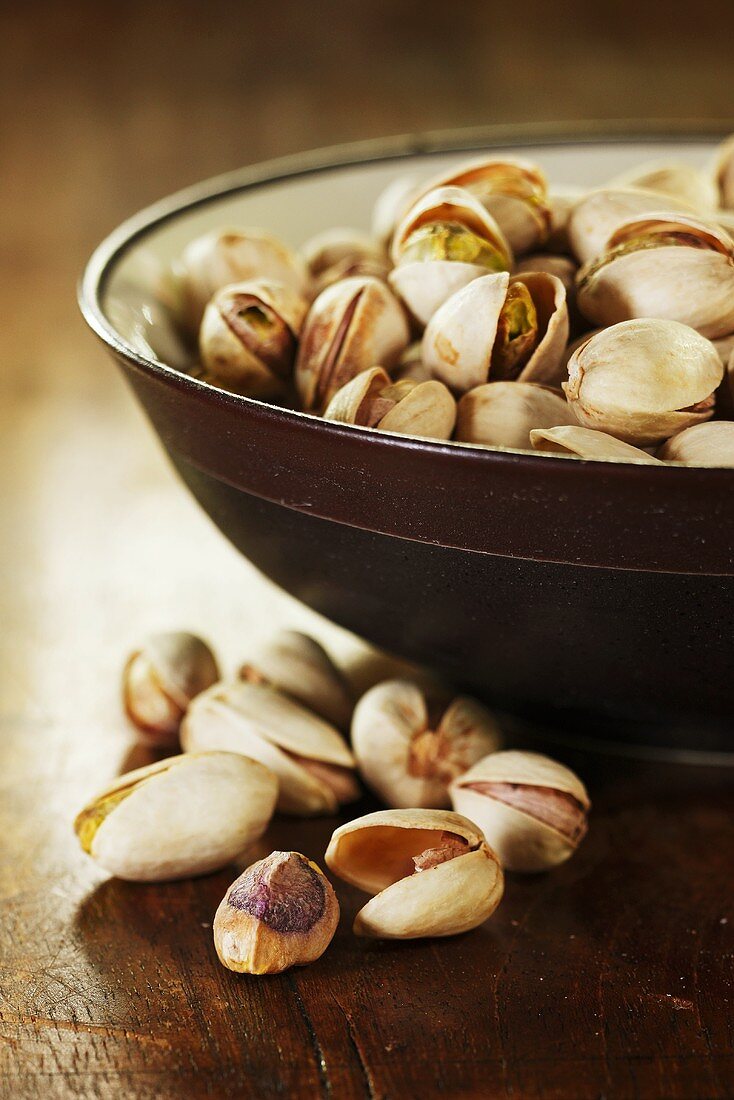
{"type": "Point", "coordinates": [531, 809]}
{"type": "Point", "coordinates": [723, 173]}
{"type": "Point", "coordinates": [431, 871]}
{"type": "Point", "coordinates": [676, 180]}
{"type": "Point", "coordinates": [371, 400]}
{"type": "Point", "coordinates": [595, 217]}
{"type": "Point", "coordinates": [184, 816]}
{"type": "Point", "coordinates": [340, 253]}
{"type": "Point", "coordinates": [643, 380]}
{"type": "Point", "coordinates": [449, 223]}
{"type": "Point", "coordinates": [425, 285]}
{"type": "Point", "coordinates": [502, 414]}
{"type": "Point", "coordinates": [310, 758]}
{"type": "Point", "coordinates": [563, 267]}
{"type": "Point", "coordinates": [710, 444]}
{"type": "Point", "coordinates": [576, 442]}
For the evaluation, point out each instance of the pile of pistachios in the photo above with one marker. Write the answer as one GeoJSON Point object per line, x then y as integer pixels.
{"type": "Point", "coordinates": [488, 308]}
{"type": "Point", "coordinates": [271, 739]}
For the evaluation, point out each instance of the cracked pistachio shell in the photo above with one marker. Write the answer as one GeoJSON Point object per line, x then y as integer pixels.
{"type": "Point", "coordinates": [676, 180]}
{"type": "Point", "coordinates": [723, 173]}
{"type": "Point", "coordinates": [643, 380]}
{"type": "Point", "coordinates": [340, 253]}
{"type": "Point", "coordinates": [233, 255]}
{"type": "Point", "coordinates": [515, 193]}
{"type": "Point", "coordinates": [313, 764]}
{"type": "Point", "coordinates": [454, 206]}
{"type": "Point", "coordinates": [160, 680]}
{"type": "Point", "coordinates": [352, 325]}
{"type": "Point", "coordinates": [298, 665]}
{"type": "Point", "coordinates": [376, 853]}
{"type": "Point", "coordinates": [532, 810]}
{"type": "Point", "coordinates": [408, 752]}
{"type": "Point", "coordinates": [249, 336]}
{"type": "Point", "coordinates": [597, 214]}
{"type": "Point", "coordinates": [710, 444]}
{"type": "Point", "coordinates": [372, 400]}
{"type": "Point", "coordinates": [502, 414]}
{"type": "Point", "coordinates": [281, 912]}
{"type": "Point", "coordinates": [425, 285]}
{"type": "Point", "coordinates": [674, 267]}
{"type": "Point", "coordinates": [182, 817]}
{"type": "Point", "coordinates": [576, 442]}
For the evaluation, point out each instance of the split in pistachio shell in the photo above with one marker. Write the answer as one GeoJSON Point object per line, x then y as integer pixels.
{"type": "Point", "coordinates": [160, 680]}
{"type": "Point", "coordinates": [599, 213]}
{"type": "Point", "coordinates": [514, 191]}
{"type": "Point", "coordinates": [409, 749]}
{"type": "Point", "coordinates": [430, 871]}
{"type": "Point", "coordinates": [643, 380]}
{"type": "Point", "coordinates": [723, 173]}
{"type": "Point", "coordinates": [532, 810]}
{"type": "Point", "coordinates": [390, 206]}
{"type": "Point", "coordinates": [340, 253]}
{"type": "Point", "coordinates": [676, 180]}
{"type": "Point", "coordinates": [182, 817]}
{"type": "Point", "coordinates": [281, 912]}
{"type": "Point", "coordinates": [372, 400]}
{"type": "Point", "coordinates": [225, 256]}
{"type": "Point", "coordinates": [313, 763]}
{"type": "Point", "coordinates": [249, 336]}
{"type": "Point", "coordinates": [502, 414]}
{"type": "Point", "coordinates": [710, 444]}
{"type": "Point", "coordinates": [352, 325]}
{"type": "Point", "coordinates": [299, 666]}
{"type": "Point", "coordinates": [576, 442]}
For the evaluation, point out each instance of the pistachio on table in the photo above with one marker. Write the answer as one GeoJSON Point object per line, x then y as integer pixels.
{"type": "Point", "coordinates": [184, 816]}
{"type": "Point", "coordinates": [407, 407]}
{"type": "Point", "coordinates": [532, 810]}
{"type": "Point", "coordinates": [503, 414]}
{"type": "Point", "coordinates": [431, 872]}
{"type": "Point", "coordinates": [281, 912]}
{"type": "Point", "coordinates": [160, 680]}
{"type": "Point", "coordinates": [410, 748]}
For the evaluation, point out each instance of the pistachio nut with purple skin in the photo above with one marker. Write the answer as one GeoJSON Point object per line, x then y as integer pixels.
{"type": "Point", "coordinates": [372, 400]}
{"type": "Point", "coordinates": [281, 912]}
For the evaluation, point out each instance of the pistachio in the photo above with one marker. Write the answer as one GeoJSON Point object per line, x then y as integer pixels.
{"type": "Point", "coordinates": [430, 871]}
{"type": "Point", "coordinates": [563, 267]}
{"type": "Point", "coordinates": [160, 680]}
{"type": "Point", "coordinates": [709, 444]}
{"type": "Point", "coordinates": [676, 180]}
{"type": "Point", "coordinates": [576, 442]}
{"type": "Point", "coordinates": [409, 749]}
{"type": "Point", "coordinates": [643, 380]}
{"type": "Point", "coordinates": [532, 810]}
{"type": "Point", "coordinates": [407, 407]}
{"type": "Point", "coordinates": [724, 173]}
{"type": "Point", "coordinates": [411, 365]}
{"type": "Point", "coordinates": [182, 817]}
{"type": "Point", "coordinates": [390, 206]}
{"type": "Point", "coordinates": [310, 758]}
{"type": "Point", "coordinates": [502, 414]}
{"type": "Point", "coordinates": [280, 912]}
{"type": "Point", "coordinates": [352, 325]}
{"type": "Point", "coordinates": [299, 666]}
{"type": "Point", "coordinates": [561, 201]}
{"type": "Point", "coordinates": [340, 253]}
{"type": "Point", "coordinates": [599, 213]}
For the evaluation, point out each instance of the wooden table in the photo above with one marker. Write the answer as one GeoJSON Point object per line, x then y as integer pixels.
{"type": "Point", "coordinates": [611, 977]}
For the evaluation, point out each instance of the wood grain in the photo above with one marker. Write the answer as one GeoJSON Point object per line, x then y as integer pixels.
{"type": "Point", "coordinates": [609, 978]}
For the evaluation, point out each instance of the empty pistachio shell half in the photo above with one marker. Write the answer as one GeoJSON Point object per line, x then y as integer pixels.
{"type": "Point", "coordinates": [502, 414]}
{"type": "Point", "coordinates": [182, 817]}
{"type": "Point", "coordinates": [597, 214]}
{"type": "Point", "coordinates": [676, 180]}
{"type": "Point", "coordinates": [643, 380]}
{"type": "Point", "coordinates": [575, 442]}
{"type": "Point", "coordinates": [709, 444]}
{"type": "Point", "coordinates": [310, 758]}
{"type": "Point", "coordinates": [409, 751]}
{"type": "Point", "coordinates": [407, 407]}
{"type": "Point", "coordinates": [431, 872]}
{"type": "Point", "coordinates": [532, 810]}
{"type": "Point", "coordinates": [225, 256]}
{"type": "Point", "coordinates": [724, 173]}
{"type": "Point", "coordinates": [249, 335]}
{"type": "Point", "coordinates": [280, 912]}
{"type": "Point", "coordinates": [340, 253]}
{"type": "Point", "coordinates": [352, 325]}
{"type": "Point", "coordinates": [160, 680]}
{"type": "Point", "coordinates": [674, 267]}
{"type": "Point", "coordinates": [298, 665]}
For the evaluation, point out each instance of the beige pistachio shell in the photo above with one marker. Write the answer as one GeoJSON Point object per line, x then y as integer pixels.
{"type": "Point", "coordinates": [451, 895]}
{"type": "Point", "coordinates": [595, 217]}
{"type": "Point", "coordinates": [182, 817]}
{"type": "Point", "coordinates": [310, 758]}
{"type": "Point", "coordinates": [577, 442]}
{"type": "Point", "coordinates": [233, 255]}
{"type": "Point", "coordinates": [341, 253]}
{"type": "Point", "coordinates": [281, 912]}
{"type": "Point", "coordinates": [455, 205]}
{"type": "Point", "coordinates": [391, 205]}
{"type": "Point", "coordinates": [411, 365]}
{"type": "Point", "coordinates": [710, 444]}
{"type": "Point", "coordinates": [352, 325]}
{"type": "Point", "coordinates": [723, 173]}
{"type": "Point", "coordinates": [502, 414]}
{"type": "Point", "coordinates": [561, 201]}
{"type": "Point", "coordinates": [676, 180]}
{"type": "Point", "coordinates": [409, 756]}
{"type": "Point", "coordinates": [549, 298]}
{"type": "Point", "coordinates": [643, 380]}
{"type": "Point", "coordinates": [371, 400]}
{"type": "Point", "coordinates": [563, 267]}
{"type": "Point", "coordinates": [531, 809]}
{"type": "Point", "coordinates": [424, 287]}
{"type": "Point", "coordinates": [298, 665]}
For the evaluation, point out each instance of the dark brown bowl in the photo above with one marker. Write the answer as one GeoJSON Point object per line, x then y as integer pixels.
{"type": "Point", "coordinates": [593, 597]}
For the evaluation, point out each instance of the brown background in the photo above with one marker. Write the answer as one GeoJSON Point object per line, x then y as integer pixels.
{"type": "Point", "coordinates": [612, 977]}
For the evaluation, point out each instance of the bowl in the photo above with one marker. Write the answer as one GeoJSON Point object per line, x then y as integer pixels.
{"type": "Point", "coordinates": [593, 598]}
